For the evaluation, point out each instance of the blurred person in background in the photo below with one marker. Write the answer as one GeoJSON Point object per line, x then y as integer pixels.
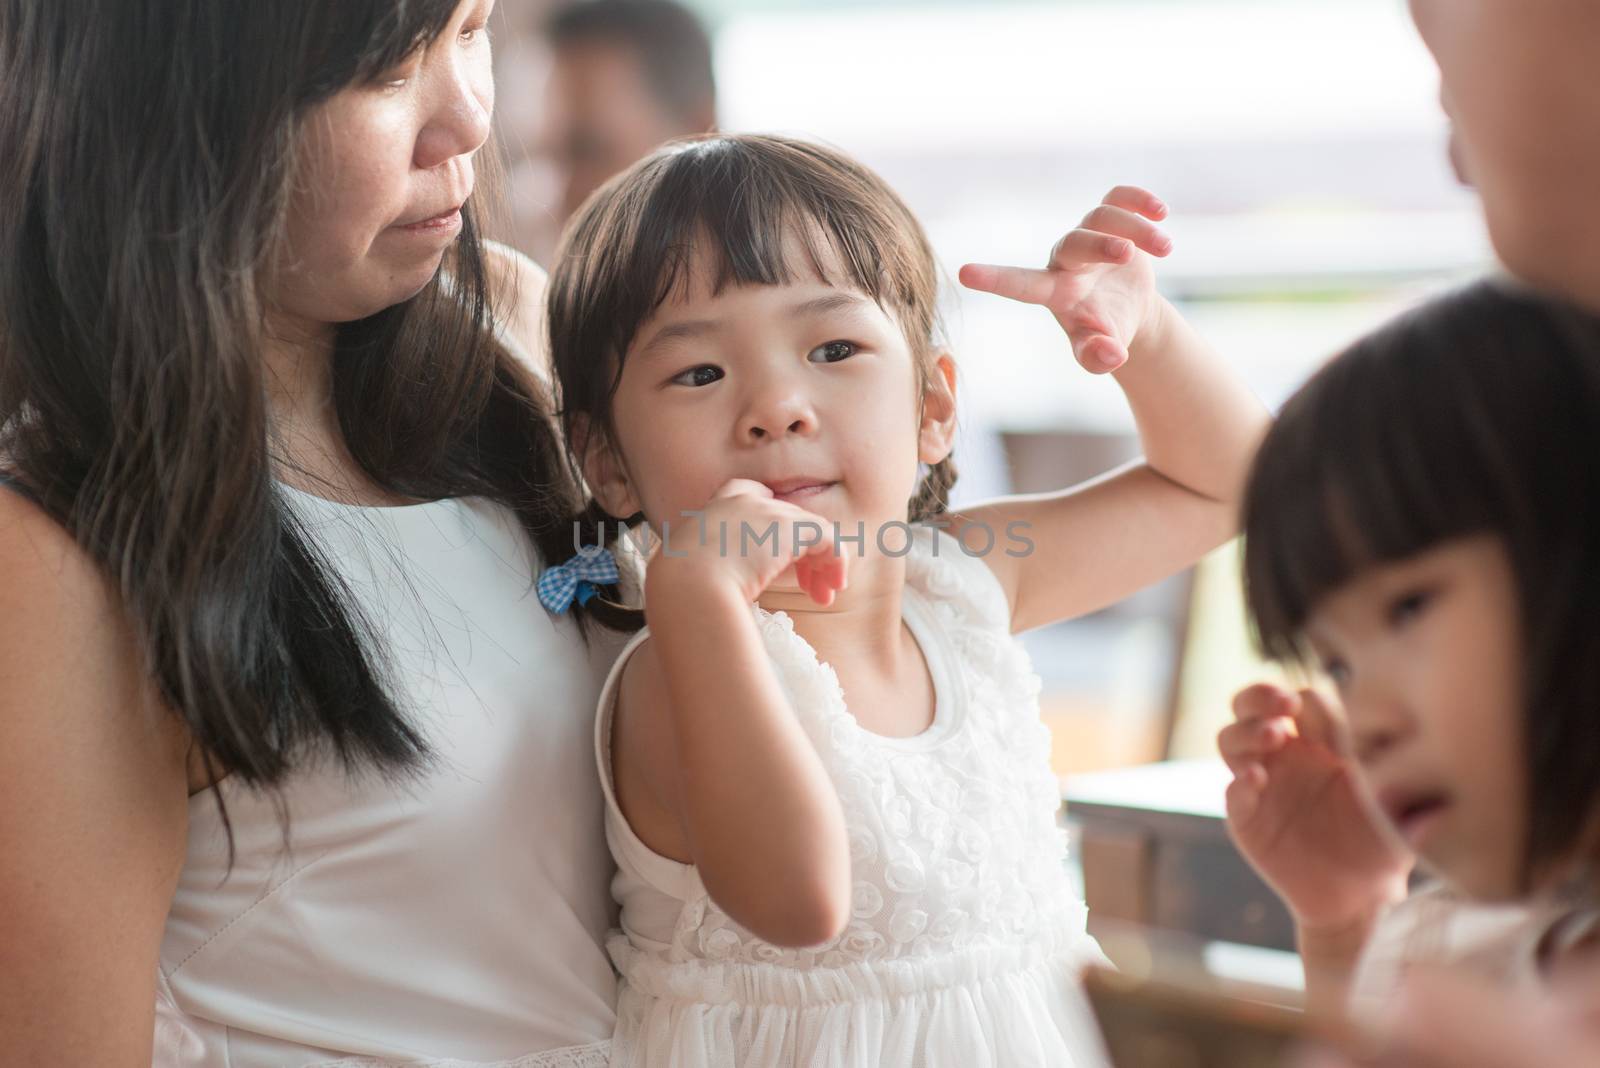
{"type": "Point", "coordinates": [626, 76]}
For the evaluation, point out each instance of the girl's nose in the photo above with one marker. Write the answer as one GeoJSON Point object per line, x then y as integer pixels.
{"type": "Point", "coordinates": [777, 416]}
{"type": "Point", "coordinates": [1377, 723]}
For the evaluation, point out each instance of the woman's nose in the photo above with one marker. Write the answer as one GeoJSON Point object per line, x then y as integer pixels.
{"type": "Point", "coordinates": [459, 117]}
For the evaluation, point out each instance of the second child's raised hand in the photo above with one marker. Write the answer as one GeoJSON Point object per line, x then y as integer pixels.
{"type": "Point", "coordinates": [1298, 814]}
{"type": "Point", "coordinates": [718, 546]}
{"type": "Point", "coordinates": [1098, 286]}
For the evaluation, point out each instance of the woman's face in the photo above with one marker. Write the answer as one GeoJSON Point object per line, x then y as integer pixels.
{"type": "Point", "coordinates": [385, 169]}
{"type": "Point", "coordinates": [1522, 87]}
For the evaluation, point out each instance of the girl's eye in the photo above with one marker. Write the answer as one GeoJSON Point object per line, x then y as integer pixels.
{"type": "Point", "coordinates": [1408, 606]}
{"type": "Point", "coordinates": [1338, 672]}
{"type": "Point", "coordinates": [832, 352]}
{"type": "Point", "coordinates": [703, 375]}
{"type": "Point", "coordinates": [469, 35]}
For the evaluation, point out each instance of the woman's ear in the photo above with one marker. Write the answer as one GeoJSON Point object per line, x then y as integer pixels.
{"type": "Point", "coordinates": [936, 436]}
{"type": "Point", "coordinates": [603, 469]}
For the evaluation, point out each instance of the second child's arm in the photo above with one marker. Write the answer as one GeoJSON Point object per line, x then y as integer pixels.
{"type": "Point", "coordinates": [712, 766]}
{"type": "Point", "coordinates": [1198, 423]}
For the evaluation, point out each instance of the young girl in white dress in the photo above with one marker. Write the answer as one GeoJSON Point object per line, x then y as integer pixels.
{"type": "Point", "coordinates": [830, 797]}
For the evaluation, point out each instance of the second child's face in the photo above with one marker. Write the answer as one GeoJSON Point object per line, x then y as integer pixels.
{"type": "Point", "coordinates": [809, 389]}
{"type": "Point", "coordinates": [1426, 656]}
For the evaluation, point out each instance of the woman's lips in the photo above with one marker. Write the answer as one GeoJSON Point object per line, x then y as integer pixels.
{"type": "Point", "coordinates": [446, 222]}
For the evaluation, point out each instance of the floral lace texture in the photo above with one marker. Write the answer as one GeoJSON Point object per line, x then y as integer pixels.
{"type": "Point", "coordinates": [965, 936]}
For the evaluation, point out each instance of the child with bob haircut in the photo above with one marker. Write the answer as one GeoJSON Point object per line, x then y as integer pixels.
{"type": "Point", "coordinates": [830, 797]}
{"type": "Point", "coordinates": [1423, 522]}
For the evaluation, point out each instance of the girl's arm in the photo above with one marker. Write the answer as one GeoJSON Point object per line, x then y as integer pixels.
{"type": "Point", "coordinates": [1199, 424]}
{"type": "Point", "coordinates": [712, 766]}
{"type": "Point", "coordinates": [93, 809]}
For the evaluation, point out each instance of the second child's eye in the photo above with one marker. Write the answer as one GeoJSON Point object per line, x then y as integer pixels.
{"type": "Point", "coordinates": [1408, 606]}
{"type": "Point", "coordinates": [703, 375]}
{"type": "Point", "coordinates": [832, 352]}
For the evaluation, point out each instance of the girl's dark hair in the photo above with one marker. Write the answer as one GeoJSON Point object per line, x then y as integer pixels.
{"type": "Point", "coordinates": [740, 199]}
{"type": "Point", "coordinates": [147, 154]}
{"type": "Point", "coordinates": [1477, 414]}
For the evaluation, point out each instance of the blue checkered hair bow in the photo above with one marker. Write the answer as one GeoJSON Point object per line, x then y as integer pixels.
{"type": "Point", "coordinates": [577, 578]}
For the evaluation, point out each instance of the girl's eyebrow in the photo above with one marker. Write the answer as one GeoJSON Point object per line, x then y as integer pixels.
{"type": "Point", "coordinates": [835, 301]}
{"type": "Point", "coordinates": [688, 329]}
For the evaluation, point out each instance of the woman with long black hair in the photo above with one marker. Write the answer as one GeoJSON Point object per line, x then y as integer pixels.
{"type": "Point", "coordinates": [294, 766]}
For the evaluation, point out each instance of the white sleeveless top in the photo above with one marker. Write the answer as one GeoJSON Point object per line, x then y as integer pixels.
{"type": "Point", "coordinates": [966, 939]}
{"type": "Point", "coordinates": [457, 919]}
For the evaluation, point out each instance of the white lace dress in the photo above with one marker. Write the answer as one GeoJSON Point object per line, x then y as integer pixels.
{"type": "Point", "coordinates": [967, 940]}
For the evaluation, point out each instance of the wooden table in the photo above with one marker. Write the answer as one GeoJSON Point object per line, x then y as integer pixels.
{"type": "Point", "coordinates": [1155, 852]}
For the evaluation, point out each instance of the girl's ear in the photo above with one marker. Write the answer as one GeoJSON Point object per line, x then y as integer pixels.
{"type": "Point", "coordinates": [936, 436]}
{"type": "Point", "coordinates": [603, 469]}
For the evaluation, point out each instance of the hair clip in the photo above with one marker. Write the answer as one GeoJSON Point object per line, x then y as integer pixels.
{"type": "Point", "coordinates": [578, 579]}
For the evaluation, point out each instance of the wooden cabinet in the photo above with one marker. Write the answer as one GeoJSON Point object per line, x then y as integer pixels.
{"type": "Point", "coordinates": [1155, 851]}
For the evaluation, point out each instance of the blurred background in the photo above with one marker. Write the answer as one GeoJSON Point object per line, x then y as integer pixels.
{"type": "Point", "coordinates": [1299, 142]}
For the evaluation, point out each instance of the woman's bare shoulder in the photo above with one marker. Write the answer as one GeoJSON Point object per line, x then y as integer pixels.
{"type": "Point", "coordinates": [66, 645]}
{"type": "Point", "coordinates": [518, 287]}
{"type": "Point", "coordinates": [93, 802]}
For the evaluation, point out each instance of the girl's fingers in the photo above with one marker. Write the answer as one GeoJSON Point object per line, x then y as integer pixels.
{"type": "Point", "coordinates": [1026, 284]}
{"type": "Point", "coordinates": [1099, 354]}
{"type": "Point", "coordinates": [1243, 795]}
{"type": "Point", "coordinates": [1319, 723]}
{"type": "Point", "coordinates": [1135, 199]}
{"type": "Point", "coordinates": [1242, 744]}
{"type": "Point", "coordinates": [1087, 246]}
{"type": "Point", "coordinates": [1264, 699]}
{"type": "Point", "coordinates": [1108, 222]}
{"type": "Point", "coordinates": [742, 487]}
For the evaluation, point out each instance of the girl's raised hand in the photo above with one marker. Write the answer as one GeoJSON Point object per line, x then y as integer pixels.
{"type": "Point", "coordinates": [748, 536]}
{"type": "Point", "coordinates": [1098, 286]}
{"type": "Point", "coordinates": [1298, 814]}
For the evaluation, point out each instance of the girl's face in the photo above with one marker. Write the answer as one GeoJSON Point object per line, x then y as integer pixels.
{"type": "Point", "coordinates": [1426, 655]}
{"type": "Point", "coordinates": [810, 389]}
{"type": "Point", "coordinates": [386, 168]}
{"type": "Point", "coordinates": [1522, 87]}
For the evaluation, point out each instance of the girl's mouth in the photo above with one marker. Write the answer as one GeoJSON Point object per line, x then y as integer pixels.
{"type": "Point", "coordinates": [1414, 814]}
{"type": "Point", "coordinates": [798, 489]}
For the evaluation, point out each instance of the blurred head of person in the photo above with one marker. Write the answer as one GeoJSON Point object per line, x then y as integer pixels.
{"type": "Point", "coordinates": [1522, 87]}
{"type": "Point", "coordinates": [627, 75]}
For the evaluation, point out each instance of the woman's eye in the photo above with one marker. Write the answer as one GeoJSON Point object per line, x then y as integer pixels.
{"type": "Point", "coordinates": [471, 34]}
{"type": "Point", "coordinates": [832, 352]}
{"type": "Point", "coordinates": [703, 375]}
{"type": "Point", "coordinates": [1408, 606]}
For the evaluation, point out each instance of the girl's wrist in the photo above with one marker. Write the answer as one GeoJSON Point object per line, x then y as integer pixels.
{"type": "Point", "coordinates": [689, 581]}
{"type": "Point", "coordinates": [1348, 933]}
{"type": "Point", "coordinates": [1155, 330]}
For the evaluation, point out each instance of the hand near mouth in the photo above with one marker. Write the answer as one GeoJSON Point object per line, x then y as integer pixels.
{"type": "Point", "coordinates": [747, 535]}
{"type": "Point", "coordinates": [1299, 814]}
